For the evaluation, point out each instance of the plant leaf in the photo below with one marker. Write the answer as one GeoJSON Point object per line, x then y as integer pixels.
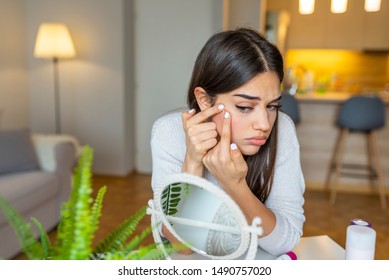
{"type": "Point", "coordinates": [134, 243]}
{"type": "Point", "coordinates": [78, 223]}
{"type": "Point", "coordinates": [171, 197]}
{"type": "Point", "coordinates": [45, 240]}
{"type": "Point", "coordinates": [114, 241]}
{"type": "Point", "coordinates": [150, 252]}
{"type": "Point", "coordinates": [26, 237]}
{"type": "Point", "coordinates": [96, 208]}
{"type": "Point", "coordinates": [75, 235]}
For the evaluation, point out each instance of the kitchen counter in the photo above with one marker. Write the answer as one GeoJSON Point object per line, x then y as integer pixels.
{"type": "Point", "coordinates": [332, 97]}
{"type": "Point", "coordinates": [317, 135]}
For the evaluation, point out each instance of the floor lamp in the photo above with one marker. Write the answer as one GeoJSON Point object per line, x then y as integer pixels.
{"type": "Point", "coordinates": [53, 41]}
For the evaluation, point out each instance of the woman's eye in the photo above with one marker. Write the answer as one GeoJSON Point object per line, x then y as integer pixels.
{"type": "Point", "coordinates": [244, 109]}
{"type": "Point", "coordinates": [274, 107]}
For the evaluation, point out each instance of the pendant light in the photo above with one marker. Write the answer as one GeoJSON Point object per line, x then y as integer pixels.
{"type": "Point", "coordinates": [306, 7]}
{"type": "Point", "coordinates": [372, 5]}
{"type": "Point", "coordinates": [338, 6]}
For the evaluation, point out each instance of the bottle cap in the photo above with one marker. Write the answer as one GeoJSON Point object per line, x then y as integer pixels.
{"type": "Point", "coordinates": [292, 255]}
{"type": "Point", "coordinates": [360, 222]}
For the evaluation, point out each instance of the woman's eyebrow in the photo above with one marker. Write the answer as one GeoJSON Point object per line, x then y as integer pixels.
{"type": "Point", "coordinates": [249, 97]}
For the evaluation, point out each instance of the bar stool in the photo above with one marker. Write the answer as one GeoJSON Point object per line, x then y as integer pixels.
{"type": "Point", "coordinates": [290, 107]}
{"type": "Point", "coordinates": [359, 114]}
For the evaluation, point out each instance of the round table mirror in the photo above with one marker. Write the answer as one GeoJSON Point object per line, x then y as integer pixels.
{"type": "Point", "coordinates": [203, 217]}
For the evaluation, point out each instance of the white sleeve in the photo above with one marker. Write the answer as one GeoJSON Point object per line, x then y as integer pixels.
{"type": "Point", "coordinates": [167, 147]}
{"type": "Point", "coordinates": [286, 199]}
{"type": "Point", "coordinates": [167, 150]}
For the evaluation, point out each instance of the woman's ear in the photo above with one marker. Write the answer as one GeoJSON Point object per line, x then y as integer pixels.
{"type": "Point", "coordinates": [202, 98]}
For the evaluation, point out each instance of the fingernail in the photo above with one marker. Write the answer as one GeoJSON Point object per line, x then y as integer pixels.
{"type": "Point", "coordinates": [191, 111]}
{"type": "Point", "coordinates": [226, 115]}
{"type": "Point", "coordinates": [233, 146]}
{"type": "Point", "coordinates": [220, 106]}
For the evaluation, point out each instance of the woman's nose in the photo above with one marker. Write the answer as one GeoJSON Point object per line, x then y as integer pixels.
{"type": "Point", "coordinates": [262, 121]}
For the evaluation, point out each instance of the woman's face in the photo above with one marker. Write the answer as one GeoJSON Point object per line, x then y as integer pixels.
{"type": "Point", "coordinates": [253, 110]}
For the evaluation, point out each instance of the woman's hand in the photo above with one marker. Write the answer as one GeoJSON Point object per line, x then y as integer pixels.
{"type": "Point", "coordinates": [201, 136]}
{"type": "Point", "coordinates": [227, 165]}
{"type": "Point", "coordinates": [225, 161]}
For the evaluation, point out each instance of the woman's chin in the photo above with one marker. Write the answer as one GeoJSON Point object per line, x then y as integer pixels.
{"type": "Point", "coordinates": [249, 150]}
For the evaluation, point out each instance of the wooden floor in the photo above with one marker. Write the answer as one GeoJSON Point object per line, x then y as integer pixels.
{"type": "Point", "coordinates": [125, 195]}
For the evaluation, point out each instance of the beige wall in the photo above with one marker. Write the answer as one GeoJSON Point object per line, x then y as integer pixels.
{"type": "Point", "coordinates": [168, 36]}
{"type": "Point", "coordinates": [13, 65]}
{"type": "Point", "coordinates": [247, 13]}
{"type": "Point", "coordinates": [100, 104]}
{"type": "Point", "coordinates": [92, 86]}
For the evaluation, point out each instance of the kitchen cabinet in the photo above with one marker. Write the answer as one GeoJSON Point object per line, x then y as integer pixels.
{"type": "Point", "coordinates": [307, 31]}
{"type": "Point", "coordinates": [376, 29]}
{"type": "Point", "coordinates": [345, 31]}
{"type": "Point", "coordinates": [355, 29]}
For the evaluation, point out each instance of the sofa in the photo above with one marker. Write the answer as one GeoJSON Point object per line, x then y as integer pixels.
{"type": "Point", "coordinates": [35, 177]}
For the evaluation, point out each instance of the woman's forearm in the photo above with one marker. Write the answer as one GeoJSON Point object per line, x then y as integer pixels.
{"type": "Point", "coordinates": [252, 207]}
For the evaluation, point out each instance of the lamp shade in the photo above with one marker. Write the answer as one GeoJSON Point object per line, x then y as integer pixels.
{"type": "Point", "coordinates": [53, 40]}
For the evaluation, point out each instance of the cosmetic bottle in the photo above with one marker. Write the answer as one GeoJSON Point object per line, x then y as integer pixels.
{"type": "Point", "coordinates": [360, 240]}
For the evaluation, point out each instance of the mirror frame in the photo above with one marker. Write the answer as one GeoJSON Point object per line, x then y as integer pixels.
{"type": "Point", "coordinates": [159, 218]}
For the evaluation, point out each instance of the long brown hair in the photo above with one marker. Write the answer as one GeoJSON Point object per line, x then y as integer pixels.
{"type": "Point", "coordinates": [228, 60]}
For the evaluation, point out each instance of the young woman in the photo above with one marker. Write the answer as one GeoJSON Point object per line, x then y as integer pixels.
{"type": "Point", "coordinates": [235, 136]}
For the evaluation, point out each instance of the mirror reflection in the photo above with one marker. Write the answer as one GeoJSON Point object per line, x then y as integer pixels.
{"type": "Point", "coordinates": [200, 219]}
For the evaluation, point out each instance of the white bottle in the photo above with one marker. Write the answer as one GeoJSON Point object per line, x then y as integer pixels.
{"type": "Point", "coordinates": [360, 243]}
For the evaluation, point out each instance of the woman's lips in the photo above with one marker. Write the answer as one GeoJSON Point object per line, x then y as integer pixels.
{"type": "Point", "coordinates": [257, 141]}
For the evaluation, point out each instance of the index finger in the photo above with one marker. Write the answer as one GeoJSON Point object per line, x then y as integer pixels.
{"type": "Point", "coordinates": [225, 137]}
{"type": "Point", "coordinates": [206, 114]}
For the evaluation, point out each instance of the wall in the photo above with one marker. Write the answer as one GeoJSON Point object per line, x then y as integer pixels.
{"type": "Point", "coordinates": [98, 101]}
{"type": "Point", "coordinates": [129, 83]}
{"type": "Point", "coordinates": [92, 86]}
{"type": "Point", "coordinates": [248, 13]}
{"type": "Point", "coordinates": [13, 65]}
{"type": "Point", "coordinates": [168, 36]}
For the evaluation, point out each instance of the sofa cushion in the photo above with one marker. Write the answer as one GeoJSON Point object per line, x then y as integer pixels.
{"type": "Point", "coordinates": [28, 190]}
{"type": "Point", "coordinates": [17, 151]}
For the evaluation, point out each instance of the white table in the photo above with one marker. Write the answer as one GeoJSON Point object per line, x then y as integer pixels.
{"type": "Point", "coordinates": [319, 247]}
{"type": "Point", "coordinates": [309, 248]}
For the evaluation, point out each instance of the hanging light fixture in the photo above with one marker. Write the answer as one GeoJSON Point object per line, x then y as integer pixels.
{"type": "Point", "coordinates": [338, 6]}
{"type": "Point", "coordinates": [372, 5]}
{"type": "Point", "coordinates": [306, 7]}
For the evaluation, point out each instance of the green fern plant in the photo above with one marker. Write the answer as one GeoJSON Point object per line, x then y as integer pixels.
{"type": "Point", "coordinates": [78, 224]}
{"type": "Point", "coordinates": [171, 197]}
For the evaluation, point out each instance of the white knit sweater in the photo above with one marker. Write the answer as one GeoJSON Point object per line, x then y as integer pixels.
{"type": "Point", "coordinates": [168, 146]}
